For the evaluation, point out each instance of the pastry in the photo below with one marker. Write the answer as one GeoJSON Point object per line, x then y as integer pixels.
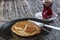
{"type": "Point", "coordinates": [25, 28]}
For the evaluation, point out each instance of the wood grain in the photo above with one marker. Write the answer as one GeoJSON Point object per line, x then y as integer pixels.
{"type": "Point", "coordinates": [16, 9]}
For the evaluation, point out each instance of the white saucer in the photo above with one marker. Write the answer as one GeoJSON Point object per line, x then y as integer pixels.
{"type": "Point", "coordinates": [39, 16]}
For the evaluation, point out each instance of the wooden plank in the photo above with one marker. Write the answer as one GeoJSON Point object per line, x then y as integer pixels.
{"type": "Point", "coordinates": [10, 11]}
{"type": "Point", "coordinates": [1, 8]}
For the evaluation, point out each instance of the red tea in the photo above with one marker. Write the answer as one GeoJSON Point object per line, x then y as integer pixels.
{"type": "Point", "coordinates": [47, 10]}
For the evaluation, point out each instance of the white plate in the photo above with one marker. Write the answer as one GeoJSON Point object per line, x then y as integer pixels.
{"type": "Point", "coordinates": [39, 16]}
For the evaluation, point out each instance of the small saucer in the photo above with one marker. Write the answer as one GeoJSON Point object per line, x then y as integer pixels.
{"type": "Point", "coordinates": [39, 16]}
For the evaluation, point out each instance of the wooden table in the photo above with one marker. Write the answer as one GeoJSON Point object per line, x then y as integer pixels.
{"type": "Point", "coordinates": [16, 9]}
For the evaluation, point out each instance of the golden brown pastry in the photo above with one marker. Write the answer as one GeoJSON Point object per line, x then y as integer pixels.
{"type": "Point", "coordinates": [25, 28]}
